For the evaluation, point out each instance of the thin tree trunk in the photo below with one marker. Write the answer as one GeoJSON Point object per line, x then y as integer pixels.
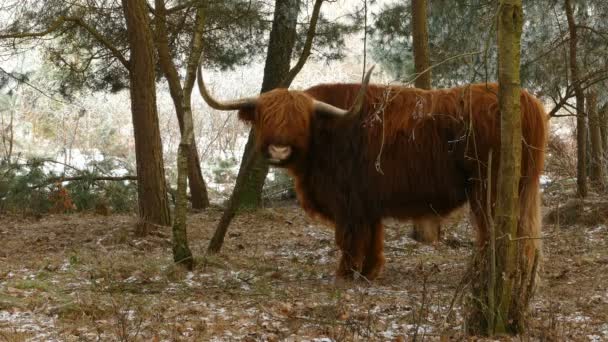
{"type": "Point", "coordinates": [420, 37]}
{"type": "Point", "coordinates": [603, 117]}
{"type": "Point", "coordinates": [181, 251]}
{"type": "Point", "coordinates": [187, 151]}
{"type": "Point", "coordinates": [581, 118]}
{"type": "Point", "coordinates": [426, 230]}
{"type": "Point", "coordinates": [501, 308]}
{"type": "Point", "coordinates": [510, 23]}
{"type": "Point", "coordinates": [11, 137]}
{"type": "Point", "coordinates": [598, 172]}
{"type": "Point", "coordinates": [151, 186]}
{"type": "Point", "coordinates": [276, 73]}
{"type": "Point", "coordinates": [198, 188]}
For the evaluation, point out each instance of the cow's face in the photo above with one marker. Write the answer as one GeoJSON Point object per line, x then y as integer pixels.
{"type": "Point", "coordinates": [281, 120]}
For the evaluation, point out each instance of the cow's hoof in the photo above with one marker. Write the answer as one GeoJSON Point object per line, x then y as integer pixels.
{"type": "Point", "coordinates": [343, 280]}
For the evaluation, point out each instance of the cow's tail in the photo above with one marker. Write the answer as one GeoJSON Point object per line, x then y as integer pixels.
{"type": "Point", "coordinates": [529, 226]}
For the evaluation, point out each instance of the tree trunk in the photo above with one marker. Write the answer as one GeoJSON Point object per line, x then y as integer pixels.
{"type": "Point", "coordinates": [510, 22]}
{"type": "Point", "coordinates": [151, 186]}
{"type": "Point", "coordinates": [603, 117]}
{"type": "Point", "coordinates": [198, 188]}
{"type": "Point", "coordinates": [187, 153]}
{"type": "Point", "coordinates": [181, 251]}
{"type": "Point", "coordinates": [247, 191]}
{"type": "Point", "coordinates": [581, 117]}
{"type": "Point", "coordinates": [426, 230]}
{"type": "Point", "coordinates": [278, 58]}
{"type": "Point", "coordinates": [505, 272]}
{"type": "Point", "coordinates": [420, 37]}
{"type": "Point", "coordinates": [598, 172]}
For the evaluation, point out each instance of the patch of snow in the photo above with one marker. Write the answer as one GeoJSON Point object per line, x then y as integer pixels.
{"type": "Point", "coordinates": [605, 330]}
{"type": "Point", "coordinates": [65, 266]}
{"type": "Point", "coordinates": [576, 317]}
{"type": "Point", "coordinates": [422, 329]}
{"type": "Point", "coordinates": [597, 230]}
{"type": "Point", "coordinates": [27, 322]}
{"type": "Point", "coordinates": [388, 334]}
{"type": "Point", "coordinates": [190, 280]}
{"type": "Point", "coordinates": [131, 279]}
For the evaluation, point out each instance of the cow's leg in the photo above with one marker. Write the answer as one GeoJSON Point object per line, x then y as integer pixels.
{"type": "Point", "coordinates": [353, 245]}
{"type": "Point", "coordinates": [427, 229]}
{"type": "Point", "coordinates": [374, 257]}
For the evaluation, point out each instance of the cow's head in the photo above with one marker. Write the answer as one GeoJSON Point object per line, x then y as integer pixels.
{"type": "Point", "coordinates": [282, 118]}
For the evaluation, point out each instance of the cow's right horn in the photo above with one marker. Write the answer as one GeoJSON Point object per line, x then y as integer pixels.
{"type": "Point", "coordinates": [248, 102]}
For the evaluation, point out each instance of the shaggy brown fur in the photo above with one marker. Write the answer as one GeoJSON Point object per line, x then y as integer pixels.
{"type": "Point", "coordinates": [411, 153]}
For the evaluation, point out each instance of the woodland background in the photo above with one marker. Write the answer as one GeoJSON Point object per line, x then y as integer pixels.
{"type": "Point", "coordinates": [83, 256]}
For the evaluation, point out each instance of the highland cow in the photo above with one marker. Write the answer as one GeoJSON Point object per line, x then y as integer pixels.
{"type": "Point", "coordinates": [398, 152]}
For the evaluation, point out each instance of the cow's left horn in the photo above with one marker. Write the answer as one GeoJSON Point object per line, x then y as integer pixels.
{"type": "Point", "coordinates": [248, 102]}
{"type": "Point", "coordinates": [325, 108]}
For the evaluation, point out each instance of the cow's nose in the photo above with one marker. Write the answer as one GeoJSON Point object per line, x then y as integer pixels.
{"type": "Point", "coordinates": [278, 152]}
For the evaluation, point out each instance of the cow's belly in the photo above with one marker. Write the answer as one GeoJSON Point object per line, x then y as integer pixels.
{"type": "Point", "coordinates": [432, 199]}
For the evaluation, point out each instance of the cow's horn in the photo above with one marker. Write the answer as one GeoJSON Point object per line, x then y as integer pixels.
{"type": "Point", "coordinates": [328, 109]}
{"type": "Point", "coordinates": [248, 102]}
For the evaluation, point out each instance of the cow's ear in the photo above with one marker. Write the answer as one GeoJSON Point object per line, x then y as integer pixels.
{"type": "Point", "coordinates": [247, 114]}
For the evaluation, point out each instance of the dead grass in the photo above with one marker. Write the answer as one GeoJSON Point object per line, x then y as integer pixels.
{"type": "Point", "coordinates": [87, 277]}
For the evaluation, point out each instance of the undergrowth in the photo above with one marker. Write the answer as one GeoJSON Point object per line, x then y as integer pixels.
{"type": "Point", "coordinates": [31, 187]}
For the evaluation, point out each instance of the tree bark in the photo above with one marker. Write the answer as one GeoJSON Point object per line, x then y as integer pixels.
{"type": "Point", "coordinates": [502, 297]}
{"type": "Point", "coordinates": [151, 186]}
{"type": "Point", "coordinates": [510, 23]}
{"type": "Point", "coordinates": [581, 117]}
{"type": "Point", "coordinates": [603, 117]}
{"type": "Point", "coordinates": [420, 37]}
{"type": "Point", "coordinates": [426, 230]}
{"type": "Point", "coordinates": [598, 172]}
{"type": "Point", "coordinates": [181, 251]}
{"type": "Point", "coordinates": [198, 188]}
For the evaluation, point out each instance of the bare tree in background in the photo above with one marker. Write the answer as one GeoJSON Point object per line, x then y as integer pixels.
{"type": "Point", "coordinates": [428, 229]}
{"type": "Point", "coordinates": [598, 169]}
{"type": "Point", "coordinates": [581, 115]}
{"type": "Point", "coordinates": [603, 118]}
{"type": "Point", "coordinates": [181, 250]}
{"type": "Point", "coordinates": [181, 99]}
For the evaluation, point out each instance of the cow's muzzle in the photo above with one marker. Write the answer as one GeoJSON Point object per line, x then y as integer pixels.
{"type": "Point", "coordinates": [278, 153]}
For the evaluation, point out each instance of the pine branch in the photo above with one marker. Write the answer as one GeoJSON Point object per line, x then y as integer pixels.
{"type": "Point", "coordinates": [58, 23]}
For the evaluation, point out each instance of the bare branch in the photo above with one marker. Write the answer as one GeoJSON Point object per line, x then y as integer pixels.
{"type": "Point", "coordinates": [101, 39]}
{"type": "Point", "coordinates": [604, 35]}
{"type": "Point", "coordinates": [312, 28]}
{"type": "Point", "coordinates": [37, 89]}
{"type": "Point", "coordinates": [52, 28]}
{"type": "Point", "coordinates": [412, 80]}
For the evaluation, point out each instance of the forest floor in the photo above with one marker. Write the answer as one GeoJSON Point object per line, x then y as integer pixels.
{"type": "Point", "coordinates": [84, 277]}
